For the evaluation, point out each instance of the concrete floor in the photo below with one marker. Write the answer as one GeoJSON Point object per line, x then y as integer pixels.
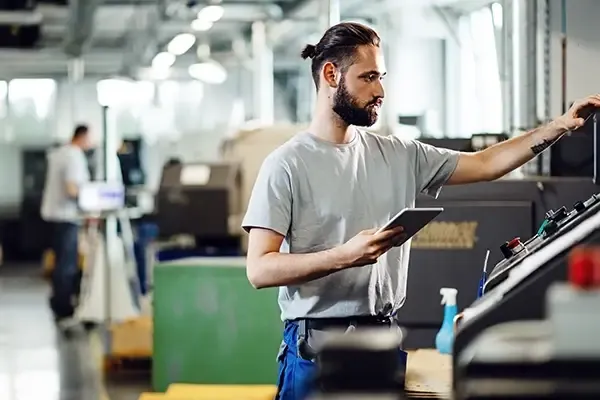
{"type": "Point", "coordinates": [36, 362]}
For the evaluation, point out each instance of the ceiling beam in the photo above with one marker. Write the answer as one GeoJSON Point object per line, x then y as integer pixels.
{"type": "Point", "coordinates": [50, 62]}
{"type": "Point", "coordinates": [199, 3]}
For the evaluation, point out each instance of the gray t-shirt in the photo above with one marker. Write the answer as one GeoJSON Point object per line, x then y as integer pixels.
{"type": "Point", "coordinates": [319, 195]}
{"type": "Point", "coordinates": [65, 164]}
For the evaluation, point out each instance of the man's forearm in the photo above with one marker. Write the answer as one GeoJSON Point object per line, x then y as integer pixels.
{"type": "Point", "coordinates": [506, 156]}
{"type": "Point", "coordinates": [281, 269]}
{"type": "Point", "coordinates": [72, 190]}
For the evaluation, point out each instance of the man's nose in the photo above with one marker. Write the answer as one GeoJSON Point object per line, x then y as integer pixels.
{"type": "Point", "coordinates": [379, 91]}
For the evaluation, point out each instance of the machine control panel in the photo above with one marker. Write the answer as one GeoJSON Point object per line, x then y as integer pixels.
{"type": "Point", "coordinates": [556, 221]}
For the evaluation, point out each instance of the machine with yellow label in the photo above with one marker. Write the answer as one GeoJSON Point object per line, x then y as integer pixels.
{"type": "Point", "coordinates": [450, 251]}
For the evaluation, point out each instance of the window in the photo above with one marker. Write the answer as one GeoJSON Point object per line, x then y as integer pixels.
{"type": "Point", "coordinates": [123, 93]}
{"type": "Point", "coordinates": [128, 100]}
{"type": "Point", "coordinates": [3, 99]}
{"type": "Point", "coordinates": [31, 97]}
{"type": "Point", "coordinates": [480, 86]}
{"type": "Point", "coordinates": [31, 103]}
{"type": "Point", "coordinates": [183, 100]}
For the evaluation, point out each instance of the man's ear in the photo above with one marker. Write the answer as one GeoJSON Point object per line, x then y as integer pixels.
{"type": "Point", "coordinates": [330, 73]}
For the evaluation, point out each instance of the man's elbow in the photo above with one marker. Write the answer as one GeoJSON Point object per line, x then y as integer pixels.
{"type": "Point", "coordinates": [254, 275]}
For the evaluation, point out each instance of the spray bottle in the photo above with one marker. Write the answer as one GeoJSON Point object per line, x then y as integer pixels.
{"type": "Point", "coordinates": [445, 337]}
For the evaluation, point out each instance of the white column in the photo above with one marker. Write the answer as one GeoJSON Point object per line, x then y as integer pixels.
{"type": "Point", "coordinates": [263, 90]}
{"type": "Point", "coordinates": [329, 10]}
{"type": "Point", "coordinates": [76, 73]}
{"type": "Point", "coordinates": [524, 57]}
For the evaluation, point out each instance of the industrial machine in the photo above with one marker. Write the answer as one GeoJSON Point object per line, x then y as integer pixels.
{"type": "Point", "coordinates": [558, 357]}
{"type": "Point", "coordinates": [131, 158]}
{"type": "Point", "coordinates": [518, 293]}
{"type": "Point", "coordinates": [517, 285]}
{"type": "Point", "coordinates": [197, 199]}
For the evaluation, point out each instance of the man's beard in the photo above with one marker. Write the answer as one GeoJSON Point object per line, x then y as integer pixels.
{"type": "Point", "coordinates": [346, 106]}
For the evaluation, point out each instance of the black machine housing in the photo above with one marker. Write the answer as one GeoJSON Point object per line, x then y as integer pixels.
{"type": "Point", "coordinates": [524, 299]}
{"type": "Point", "coordinates": [503, 364]}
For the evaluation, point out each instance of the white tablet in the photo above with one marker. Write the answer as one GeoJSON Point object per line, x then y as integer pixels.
{"type": "Point", "coordinates": [98, 197]}
{"type": "Point", "coordinates": [412, 220]}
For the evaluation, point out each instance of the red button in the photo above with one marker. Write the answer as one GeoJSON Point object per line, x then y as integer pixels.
{"type": "Point", "coordinates": [514, 243]}
{"type": "Point", "coordinates": [596, 268]}
{"type": "Point", "coordinates": [581, 268]}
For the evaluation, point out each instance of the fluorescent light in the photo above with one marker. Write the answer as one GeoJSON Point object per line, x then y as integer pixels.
{"type": "Point", "coordinates": [201, 25]}
{"type": "Point", "coordinates": [209, 72]}
{"type": "Point", "coordinates": [211, 13]}
{"type": "Point", "coordinates": [497, 15]}
{"type": "Point", "coordinates": [163, 60]}
{"type": "Point", "coordinates": [181, 43]}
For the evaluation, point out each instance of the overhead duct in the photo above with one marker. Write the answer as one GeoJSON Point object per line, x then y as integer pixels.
{"type": "Point", "coordinates": [80, 25]}
{"type": "Point", "coordinates": [294, 22]}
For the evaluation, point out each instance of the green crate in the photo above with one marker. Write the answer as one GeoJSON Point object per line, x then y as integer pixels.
{"type": "Point", "coordinates": [211, 326]}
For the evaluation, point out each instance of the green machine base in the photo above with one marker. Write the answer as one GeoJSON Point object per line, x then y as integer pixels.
{"type": "Point", "coordinates": [211, 326]}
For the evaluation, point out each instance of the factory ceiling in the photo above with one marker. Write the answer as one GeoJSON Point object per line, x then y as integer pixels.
{"type": "Point", "coordinates": [118, 36]}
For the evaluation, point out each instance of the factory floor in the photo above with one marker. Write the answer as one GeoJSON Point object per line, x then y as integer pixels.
{"type": "Point", "coordinates": [37, 362]}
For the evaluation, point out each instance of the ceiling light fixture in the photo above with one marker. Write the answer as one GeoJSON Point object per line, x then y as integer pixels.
{"type": "Point", "coordinates": [211, 13]}
{"type": "Point", "coordinates": [181, 43]}
{"type": "Point", "coordinates": [163, 60]}
{"type": "Point", "coordinates": [201, 25]}
{"type": "Point", "coordinates": [208, 72]}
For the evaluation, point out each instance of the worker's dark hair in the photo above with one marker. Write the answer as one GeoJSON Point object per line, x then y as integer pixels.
{"type": "Point", "coordinates": [338, 45]}
{"type": "Point", "coordinates": [80, 130]}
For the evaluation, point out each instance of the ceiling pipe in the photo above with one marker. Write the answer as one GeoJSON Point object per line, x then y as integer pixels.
{"type": "Point", "coordinates": [80, 26]}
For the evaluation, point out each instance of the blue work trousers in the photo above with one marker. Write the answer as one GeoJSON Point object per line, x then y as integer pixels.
{"type": "Point", "coordinates": [296, 375]}
{"type": "Point", "coordinates": [66, 275]}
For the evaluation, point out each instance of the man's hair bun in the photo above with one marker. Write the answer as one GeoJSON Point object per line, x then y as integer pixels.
{"type": "Point", "coordinates": [309, 51]}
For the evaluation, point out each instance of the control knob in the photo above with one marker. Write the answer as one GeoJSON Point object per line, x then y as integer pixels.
{"type": "Point", "coordinates": [512, 247]}
{"type": "Point", "coordinates": [550, 228]}
{"type": "Point", "coordinates": [579, 206]}
{"type": "Point", "coordinates": [557, 215]}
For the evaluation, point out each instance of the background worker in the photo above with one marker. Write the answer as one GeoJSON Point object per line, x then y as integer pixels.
{"type": "Point", "coordinates": [67, 170]}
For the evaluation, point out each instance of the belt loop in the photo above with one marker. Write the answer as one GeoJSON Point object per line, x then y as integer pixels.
{"type": "Point", "coordinates": [304, 349]}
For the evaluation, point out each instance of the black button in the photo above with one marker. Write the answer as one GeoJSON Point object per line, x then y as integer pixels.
{"type": "Point", "coordinates": [560, 214]}
{"type": "Point", "coordinates": [506, 251]}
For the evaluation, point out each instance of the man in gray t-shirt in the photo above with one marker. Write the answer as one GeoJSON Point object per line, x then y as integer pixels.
{"type": "Point", "coordinates": [319, 199]}
{"type": "Point", "coordinates": [67, 170]}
